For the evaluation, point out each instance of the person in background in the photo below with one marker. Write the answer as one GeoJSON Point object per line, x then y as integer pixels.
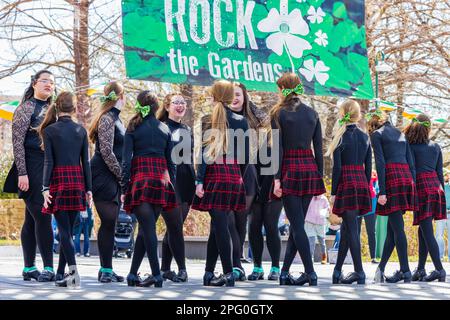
{"type": "Point", "coordinates": [55, 235]}
{"type": "Point", "coordinates": [84, 227]}
{"type": "Point", "coordinates": [370, 218]}
{"type": "Point", "coordinates": [441, 225]}
{"type": "Point", "coordinates": [316, 223]}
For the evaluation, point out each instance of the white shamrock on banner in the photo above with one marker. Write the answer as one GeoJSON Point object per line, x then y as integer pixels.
{"type": "Point", "coordinates": [315, 16]}
{"type": "Point", "coordinates": [318, 71]}
{"type": "Point", "coordinates": [322, 38]}
{"type": "Point", "coordinates": [285, 28]}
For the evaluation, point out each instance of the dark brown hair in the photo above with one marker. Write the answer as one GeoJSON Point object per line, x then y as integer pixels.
{"type": "Point", "coordinates": [65, 103]}
{"type": "Point", "coordinates": [288, 80]}
{"type": "Point", "coordinates": [416, 132]}
{"type": "Point", "coordinates": [248, 114]}
{"type": "Point", "coordinates": [105, 107]}
{"type": "Point", "coordinates": [145, 98]}
{"type": "Point", "coordinates": [163, 114]}
{"type": "Point", "coordinates": [376, 122]}
{"type": "Point", "coordinates": [29, 91]}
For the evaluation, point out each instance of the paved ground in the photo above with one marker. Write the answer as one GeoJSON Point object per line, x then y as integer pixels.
{"type": "Point", "coordinates": [13, 287]}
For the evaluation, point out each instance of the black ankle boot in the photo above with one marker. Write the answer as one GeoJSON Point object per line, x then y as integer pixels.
{"type": "Point", "coordinates": [359, 277]}
{"type": "Point", "coordinates": [399, 276]}
{"type": "Point", "coordinates": [286, 279]}
{"type": "Point", "coordinates": [418, 275]}
{"type": "Point", "coordinates": [207, 277]}
{"type": "Point", "coordinates": [134, 280]}
{"type": "Point", "coordinates": [310, 278]}
{"type": "Point", "coordinates": [337, 276]}
{"type": "Point", "coordinates": [182, 275]}
{"type": "Point", "coordinates": [27, 276]}
{"type": "Point", "coordinates": [436, 275]}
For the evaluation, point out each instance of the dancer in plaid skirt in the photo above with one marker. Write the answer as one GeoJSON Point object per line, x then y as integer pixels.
{"type": "Point", "coordinates": [427, 157]}
{"type": "Point", "coordinates": [350, 193]}
{"type": "Point", "coordinates": [107, 133]}
{"type": "Point", "coordinates": [220, 187]}
{"type": "Point", "coordinates": [396, 175]}
{"type": "Point", "coordinates": [172, 112]}
{"type": "Point", "coordinates": [148, 175]}
{"type": "Point", "coordinates": [67, 187]}
{"type": "Point", "coordinates": [299, 176]}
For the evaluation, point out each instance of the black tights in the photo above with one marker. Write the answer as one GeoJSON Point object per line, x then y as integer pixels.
{"type": "Point", "coordinates": [37, 228]}
{"type": "Point", "coordinates": [349, 239]}
{"type": "Point", "coordinates": [173, 242]}
{"type": "Point", "coordinates": [370, 229]}
{"type": "Point", "coordinates": [219, 242]}
{"type": "Point", "coordinates": [428, 243]}
{"type": "Point", "coordinates": [395, 238]}
{"type": "Point", "coordinates": [65, 221]}
{"type": "Point", "coordinates": [296, 209]}
{"type": "Point", "coordinates": [147, 240]}
{"type": "Point", "coordinates": [108, 212]}
{"type": "Point", "coordinates": [266, 214]}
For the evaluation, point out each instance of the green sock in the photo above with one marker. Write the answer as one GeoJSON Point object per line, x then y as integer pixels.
{"type": "Point", "coordinates": [49, 269]}
{"type": "Point", "coordinates": [258, 269]}
{"type": "Point", "coordinates": [106, 270]}
{"type": "Point", "coordinates": [275, 269]}
{"type": "Point", "coordinates": [28, 269]}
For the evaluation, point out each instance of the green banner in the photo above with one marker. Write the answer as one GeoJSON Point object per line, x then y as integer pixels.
{"type": "Point", "coordinates": [253, 42]}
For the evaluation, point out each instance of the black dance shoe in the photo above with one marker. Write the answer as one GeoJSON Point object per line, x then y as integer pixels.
{"type": "Point", "coordinates": [106, 277]}
{"type": "Point", "coordinates": [418, 275]}
{"type": "Point", "coordinates": [230, 279]}
{"type": "Point", "coordinates": [134, 280]}
{"type": "Point", "coordinates": [255, 276]}
{"type": "Point", "coordinates": [436, 275]}
{"type": "Point", "coordinates": [117, 278]}
{"type": "Point", "coordinates": [46, 276]}
{"type": "Point", "coordinates": [239, 274]}
{"type": "Point", "coordinates": [273, 275]}
{"type": "Point", "coordinates": [337, 277]}
{"type": "Point", "coordinates": [207, 277]}
{"type": "Point", "coordinates": [399, 276]}
{"type": "Point", "coordinates": [182, 275]}
{"type": "Point", "coordinates": [359, 277]}
{"type": "Point", "coordinates": [310, 278]}
{"type": "Point", "coordinates": [28, 275]}
{"type": "Point", "coordinates": [59, 276]}
{"type": "Point", "coordinates": [218, 281]}
{"type": "Point", "coordinates": [286, 279]}
{"type": "Point", "coordinates": [151, 280]}
{"type": "Point", "coordinates": [170, 275]}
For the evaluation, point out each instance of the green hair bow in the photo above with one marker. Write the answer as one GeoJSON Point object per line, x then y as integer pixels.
{"type": "Point", "coordinates": [426, 124]}
{"type": "Point", "coordinates": [144, 110]}
{"type": "Point", "coordinates": [112, 96]}
{"type": "Point", "coordinates": [297, 90]}
{"type": "Point", "coordinates": [345, 119]}
{"type": "Point", "coordinates": [377, 112]}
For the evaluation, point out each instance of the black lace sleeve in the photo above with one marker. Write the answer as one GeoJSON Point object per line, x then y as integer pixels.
{"type": "Point", "coordinates": [20, 125]}
{"type": "Point", "coordinates": [106, 143]}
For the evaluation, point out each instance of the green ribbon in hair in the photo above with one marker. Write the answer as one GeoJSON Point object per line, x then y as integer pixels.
{"type": "Point", "coordinates": [112, 96]}
{"type": "Point", "coordinates": [377, 112]}
{"type": "Point", "coordinates": [345, 119]}
{"type": "Point", "coordinates": [426, 124]}
{"type": "Point", "coordinates": [144, 110]}
{"type": "Point", "coordinates": [297, 90]}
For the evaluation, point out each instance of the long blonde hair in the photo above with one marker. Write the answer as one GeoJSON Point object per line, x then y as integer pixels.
{"type": "Point", "coordinates": [349, 113]}
{"type": "Point", "coordinates": [217, 143]}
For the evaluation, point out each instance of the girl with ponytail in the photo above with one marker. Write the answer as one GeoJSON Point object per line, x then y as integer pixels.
{"type": "Point", "coordinates": [350, 193]}
{"type": "Point", "coordinates": [220, 188]}
{"type": "Point", "coordinates": [25, 177]}
{"type": "Point", "coordinates": [107, 132]}
{"type": "Point", "coordinates": [67, 187]}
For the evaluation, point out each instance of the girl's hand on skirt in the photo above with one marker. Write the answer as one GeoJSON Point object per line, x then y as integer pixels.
{"type": "Point", "coordinates": [199, 191]}
{"type": "Point", "coordinates": [382, 199]}
{"type": "Point", "coordinates": [277, 188]}
{"type": "Point", "coordinates": [47, 197]}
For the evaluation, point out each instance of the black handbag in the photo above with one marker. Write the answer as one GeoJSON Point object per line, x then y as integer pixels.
{"type": "Point", "coordinates": [12, 180]}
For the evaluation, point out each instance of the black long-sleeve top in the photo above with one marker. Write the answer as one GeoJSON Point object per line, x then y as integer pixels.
{"type": "Point", "coordinates": [150, 138]}
{"type": "Point", "coordinates": [180, 131]}
{"type": "Point", "coordinates": [299, 125]}
{"type": "Point", "coordinates": [27, 116]}
{"type": "Point", "coordinates": [390, 146]}
{"type": "Point", "coordinates": [66, 144]}
{"type": "Point", "coordinates": [428, 158]}
{"type": "Point", "coordinates": [235, 122]}
{"type": "Point", "coordinates": [354, 149]}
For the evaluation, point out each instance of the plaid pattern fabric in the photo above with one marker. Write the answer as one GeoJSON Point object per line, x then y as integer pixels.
{"type": "Point", "coordinates": [149, 183]}
{"type": "Point", "coordinates": [67, 189]}
{"type": "Point", "coordinates": [400, 190]}
{"type": "Point", "coordinates": [431, 198]}
{"type": "Point", "coordinates": [224, 189]}
{"type": "Point", "coordinates": [299, 174]}
{"type": "Point", "coordinates": [353, 191]}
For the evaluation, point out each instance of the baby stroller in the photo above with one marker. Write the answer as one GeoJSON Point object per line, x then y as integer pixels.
{"type": "Point", "coordinates": [124, 235]}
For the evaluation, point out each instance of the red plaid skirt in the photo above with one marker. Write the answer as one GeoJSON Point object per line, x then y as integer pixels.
{"type": "Point", "coordinates": [149, 183]}
{"type": "Point", "coordinates": [353, 191]}
{"type": "Point", "coordinates": [224, 189]}
{"type": "Point", "coordinates": [67, 189]}
{"type": "Point", "coordinates": [431, 198]}
{"type": "Point", "coordinates": [400, 190]}
{"type": "Point", "coordinates": [299, 174]}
